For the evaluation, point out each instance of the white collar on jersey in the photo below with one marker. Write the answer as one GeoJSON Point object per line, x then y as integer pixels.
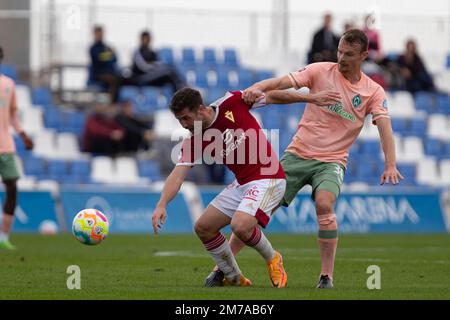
{"type": "Point", "coordinates": [216, 105]}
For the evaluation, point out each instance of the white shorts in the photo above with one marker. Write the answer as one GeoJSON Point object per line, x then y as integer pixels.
{"type": "Point", "coordinates": [257, 198]}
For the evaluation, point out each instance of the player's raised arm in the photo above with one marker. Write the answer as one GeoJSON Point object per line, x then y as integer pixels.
{"type": "Point", "coordinates": [170, 190]}
{"type": "Point", "coordinates": [322, 98]}
{"type": "Point", "coordinates": [390, 172]}
{"type": "Point", "coordinates": [253, 93]}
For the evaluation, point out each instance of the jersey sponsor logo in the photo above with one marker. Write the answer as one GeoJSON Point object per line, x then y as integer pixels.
{"type": "Point", "coordinates": [338, 108]}
{"type": "Point", "coordinates": [229, 115]}
{"type": "Point", "coordinates": [356, 101]}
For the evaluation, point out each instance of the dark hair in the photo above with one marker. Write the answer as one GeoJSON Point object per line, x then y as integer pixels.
{"type": "Point", "coordinates": [356, 36]}
{"type": "Point", "coordinates": [185, 98]}
{"type": "Point", "coordinates": [145, 33]}
{"type": "Point", "coordinates": [98, 28]}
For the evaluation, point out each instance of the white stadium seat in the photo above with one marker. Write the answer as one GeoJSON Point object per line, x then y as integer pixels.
{"type": "Point", "coordinates": [126, 170]}
{"type": "Point", "coordinates": [427, 172]}
{"type": "Point", "coordinates": [102, 169]}
{"type": "Point", "coordinates": [438, 127]}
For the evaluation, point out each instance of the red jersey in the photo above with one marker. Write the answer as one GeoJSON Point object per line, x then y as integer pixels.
{"type": "Point", "coordinates": [235, 139]}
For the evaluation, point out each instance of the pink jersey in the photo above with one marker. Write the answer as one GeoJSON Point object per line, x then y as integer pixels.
{"type": "Point", "coordinates": [7, 103]}
{"type": "Point", "coordinates": [327, 133]}
{"type": "Point", "coordinates": [238, 142]}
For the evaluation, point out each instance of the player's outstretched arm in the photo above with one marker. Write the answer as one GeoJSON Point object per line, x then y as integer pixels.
{"type": "Point", "coordinates": [390, 172]}
{"type": "Point", "coordinates": [170, 190]}
{"type": "Point", "coordinates": [254, 93]}
{"type": "Point", "coordinates": [322, 98]}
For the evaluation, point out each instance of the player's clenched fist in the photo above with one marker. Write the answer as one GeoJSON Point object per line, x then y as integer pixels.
{"type": "Point", "coordinates": [158, 219]}
{"type": "Point", "coordinates": [251, 95]}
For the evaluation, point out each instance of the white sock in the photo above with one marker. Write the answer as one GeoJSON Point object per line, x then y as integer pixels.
{"type": "Point", "coordinates": [219, 248]}
{"type": "Point", "coordinates": [3, 236]}
{"type": "Point", "coordinates": [260, 243]}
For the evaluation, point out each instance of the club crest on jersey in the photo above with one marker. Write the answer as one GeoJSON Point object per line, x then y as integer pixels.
{"type": "Point", "coordinates": [356, 101]}
{"type": "Point", "coordinates": [229, 115]}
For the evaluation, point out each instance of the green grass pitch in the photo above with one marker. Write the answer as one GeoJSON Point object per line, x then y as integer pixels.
{"type": "Point", "coordinates": [174, 267]}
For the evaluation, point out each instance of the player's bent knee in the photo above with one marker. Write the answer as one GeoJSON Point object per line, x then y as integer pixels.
{"type": "Point", "coordinates": [324, 207]}
{"type": "Point", "coordinates": [242, 229]}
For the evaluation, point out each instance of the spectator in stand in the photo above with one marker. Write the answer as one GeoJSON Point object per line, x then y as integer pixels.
{"type": "Point", "coordinates": [325, 43]}
{"type": "Point", "coordinates": [102, 134]}
{"type": "Point", "coordinates": [138, 133]}
{"type": "Point", "coordinates": [374, 38]}
{"type": "Point", "coordinates": [148, 70]}
{"type": "Point", "coordinates": [416, 76]}
{"type": "Point", "coordinates": [104, 67]}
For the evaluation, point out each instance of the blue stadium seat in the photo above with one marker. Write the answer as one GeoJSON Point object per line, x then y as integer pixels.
{"type": "Point", "coordinates": [446, 149]}
{"type": "Point", "coordinates": [57, 167]}
{"type": "Point", "coordinates": [75, 121]}
{"type": "Point", "coordinates": [214, 93]}
{"type": "Point", "coordinates": [263, 75]}
{"type": "Point", "coordinates": [34, 166]}
{"type": "Point", "coordinates": [188, 57]}
{"type": "Point", "coordinates": [10, 71]}
{"type": "Point", "coordinates": [433, 147]}
{"type": "Point", "coordinates": [408, 171]}
{"type": "Point", "coordinates": [151, 96]}
{"type": "Point", "coordinates": [370, 147]}
{"type": "Point", "coordinates": [80, 168]}
{"type": "Point", "coordinates": [166, 55]}
{"type": "Point", "coordinates": [425, 101]}
{"type": "Point", "coordinates": [41, 96]}
{"type": "Point", "coordinates": [245, 78]}
{"type": "Point", "coordinates": [223, 80]}
{"type": "Point", "coordinates": [448, 61]}
{"type": "Point", "coordinates": [230, 58]}
{"type": "Point", "coordinates": [149, 169]}
{"type": "Point", "coordinates": [53, 118]}
{"type": "Point", "coordinates": [443, 103]}
{"type": "Point", "coordinates": [209, 57]}
{"type": "Point", "coordinates": [201, 77]}
{"type": "Point", "coordinates": [418, 127]}
{"type": "Point", "coordinates": [400, 125]}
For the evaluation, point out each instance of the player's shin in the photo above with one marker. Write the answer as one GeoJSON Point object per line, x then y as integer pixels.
{"type": "Point", "coordinates": [260, 243]}
{"type": "Point", "coordinates": [219, 248]}
{"type": "Point", "coordinates": [327, 240]}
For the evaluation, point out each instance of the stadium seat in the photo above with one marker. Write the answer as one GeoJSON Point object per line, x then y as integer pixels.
{"type": "Point", "coordinates": [126, 170]}
{"type": "Point", "coordinates": [444, 169]}
{"type": "Point", "coordinates": [263, 75]}
{"type": "Point", "coordinates": [408, 171]}
{"type": "Point", "coordinates": [57, 168]}
{"type": "Point", "coordinates": [166, 55]}
{"type": "Point", "coordinates": [23, 96]}
{"type": "Point", "coordinates": [188, 57]}
{"type": "Point", "coordinates": [10, 71]}
{"type": "Point", "coordinates": [438, 127]}
{"type": "Point", "coordinates": [371, 147]}
{"type": "Point", "coordinates": [230, 58]}
{"type": "Point", "coordinates": [166, 125]}
{"type": "Point", "coordinates": [41, 96]}
{"type": "Point", "coordinates": [68, 146]}
{"type": "Point", "coordinates": [413, 150]}
{"type": "Point", "coordinates": [400, 125]}
{"type": "Point", "coordinates": [418, 127]}
{"type": "Point", "coordinates": [427, 173]}
{"type": "Point", "coordinates": [102, 170]}
{"type": "Point", "coordinates": [433, 147]}
{"type": "Point", "coordinates": [223, 80]}
{"type": "Point", "coordinates": [401, 104]}
{"type": "Point", "coordinates": [425, 101]}
{"type": "Point", "coordinates": [209, 57]}
{"type": "Point", "coordinates": [81, 168]}
{"type": "Point", "coordinates": [149, 169]}
{"type": "Point", "coordinates": [44, 144]}
{"type": "Point", "coordinates": [245, 78]}
{"type": "Point", "coordinates": [448, 61]}
{"type": "Point", "coordinates": [34, 166]}
{"type": "Point", "coordinates": [443, 103]}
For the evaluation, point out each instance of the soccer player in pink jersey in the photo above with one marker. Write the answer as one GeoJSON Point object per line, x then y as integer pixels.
{"type": "Point", "coordinates": [225, 132]}
{"type": "Point", "coordinates": [318, 152]}
{"type": "Point", "coordinates": [8, 167]}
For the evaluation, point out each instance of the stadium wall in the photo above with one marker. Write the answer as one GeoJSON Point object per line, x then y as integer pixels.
{"type": "Point", "coordinates": [129, 211]}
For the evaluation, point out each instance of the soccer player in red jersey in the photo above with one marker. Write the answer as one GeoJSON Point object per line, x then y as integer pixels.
{"type": "Point", "coordinates": [226, 132]}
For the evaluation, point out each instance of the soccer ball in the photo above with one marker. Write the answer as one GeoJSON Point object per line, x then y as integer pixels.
{"type": "Point", "coordinates": [90, 226]}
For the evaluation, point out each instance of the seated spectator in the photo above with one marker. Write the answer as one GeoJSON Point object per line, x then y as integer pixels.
{"type": "Point", "coordinates": [148, 70]}
{"type": "Point", "coordinates": [325, 43]}
{"type": "Point", "coordinates": [102, 134]}
{"type": "Point", "coordinates": [138, 133]}
{"type": "Point", "coordinates": [416, 76]}
{"type": "Point", "coordinates": [104, 67]}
